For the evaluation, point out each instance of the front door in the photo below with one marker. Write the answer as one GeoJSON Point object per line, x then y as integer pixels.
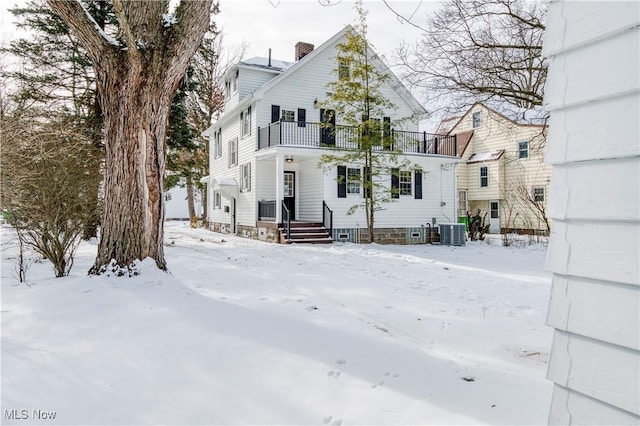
{"type": "Point", "coordinates": [328, 127]}
{"type": "Point", "coordinates": [290, 192]}
{"type": "Point", "coordinates": [494, 217]}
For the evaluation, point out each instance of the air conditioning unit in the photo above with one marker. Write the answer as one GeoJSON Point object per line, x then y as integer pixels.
{"type": "Point", "coordinates": [452, 234]}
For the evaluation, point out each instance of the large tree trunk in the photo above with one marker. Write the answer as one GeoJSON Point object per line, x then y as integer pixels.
{"type": "Point", "coordinates": [136, 115]}
{"type": "Point", "coordinates": [137, 76]}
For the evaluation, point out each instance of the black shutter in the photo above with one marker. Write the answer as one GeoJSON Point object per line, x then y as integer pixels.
{"type": "Point", "coordinates": [418, 177]}
{"type": "Point", "coordinates": [302, 117]}
{"type": "Point", "coordinates": [395, 183]}
{"type": "Point", "coordinates": [275, 113]}
{"type": "Point", "coordinates": [386, 133]}
{"type": "Point", "coordinates": [342, 182]}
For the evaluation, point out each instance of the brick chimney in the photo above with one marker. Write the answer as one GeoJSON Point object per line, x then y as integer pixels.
{"type": "Point", "coordinates": [302, 49]}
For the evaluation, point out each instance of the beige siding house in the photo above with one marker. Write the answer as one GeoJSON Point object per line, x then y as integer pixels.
{"type": "Point", "coordinates": [593, 94]}
{"type": "Point", "coordinates": [502, 171]}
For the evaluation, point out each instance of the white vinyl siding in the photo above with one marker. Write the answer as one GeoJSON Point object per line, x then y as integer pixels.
{"type": "Point", "coordinates": [594, 201]}
{"type": "Point", "coordinates": [437, 187]}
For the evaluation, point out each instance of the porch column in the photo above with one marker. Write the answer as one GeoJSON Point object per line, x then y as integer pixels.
{"type": "Point", "coordinates": [279, 186]}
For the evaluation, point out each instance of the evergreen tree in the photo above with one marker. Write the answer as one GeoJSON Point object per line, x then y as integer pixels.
{"type": "Point", "coordinates": [56, 76]}
{"type": "Point", "coordinates": [357, 99]}
{"type": "Point", "coordinates": [139, 64]}
{"type": "Point", "coordinates": [185, 151]}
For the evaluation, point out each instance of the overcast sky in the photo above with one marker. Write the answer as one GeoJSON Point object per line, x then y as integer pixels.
{"type": "Point", "coordinates": [279, 24]}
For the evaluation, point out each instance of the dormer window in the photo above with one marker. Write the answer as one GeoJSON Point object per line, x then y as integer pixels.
{"type": "Point", "coordinates": [343, 69]}
{"type": "Point", "coordinates": [235, 81]}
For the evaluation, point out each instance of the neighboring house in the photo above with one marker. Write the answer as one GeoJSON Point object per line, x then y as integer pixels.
{"type": "Point", "coordinates": [502, 171]}
{"type": "Point", "coordinates": [594, 148]}
{"type": "Point", "coordinates": [175, 203]}
{"type": "Point", "coordinates": [265, 149]}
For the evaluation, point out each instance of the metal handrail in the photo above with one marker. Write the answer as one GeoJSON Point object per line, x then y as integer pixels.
{"type": "Point", "coordinates": [327, 213]}
{"type": "Point", "coordinates": [317, 135]}
{"type": "Point", "coordinates": [286, 221]}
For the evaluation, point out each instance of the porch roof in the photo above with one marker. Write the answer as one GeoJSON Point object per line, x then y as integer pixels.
{"type": "Point", "coordinates": [227, 186]}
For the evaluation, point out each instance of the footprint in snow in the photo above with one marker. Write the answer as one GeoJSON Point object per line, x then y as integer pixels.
{"type": "Point", "coordinates": [337, 369]}
{"type": "Point", "coordinates": [332, 420]}
{"type": "Point", "coordinates": [388, 375]}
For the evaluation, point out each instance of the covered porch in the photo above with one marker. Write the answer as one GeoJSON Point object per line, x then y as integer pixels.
{"type": "Point", "coordinates": [290, 189]}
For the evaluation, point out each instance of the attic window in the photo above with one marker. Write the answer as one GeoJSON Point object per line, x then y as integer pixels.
{"type": "Point", "coordinates": [235, 81]}
{"type": "Point", "coordinates": [343, 69]}
{"type": "Point", "coordinates": [477, 119]}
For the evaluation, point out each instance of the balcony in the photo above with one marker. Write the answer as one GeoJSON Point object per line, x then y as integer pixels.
{"type": "Point", "coordinates": [318, 135]}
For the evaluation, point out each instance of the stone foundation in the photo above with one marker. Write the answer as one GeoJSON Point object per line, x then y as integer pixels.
{"type": "Point", "coordinates": [247, 231]}
{"type": "Point", "coordinates": [421, 235]}
{"type": "Point", "coordinates": [268, 231]}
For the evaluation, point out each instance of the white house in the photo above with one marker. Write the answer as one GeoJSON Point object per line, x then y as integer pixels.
{"type": "Point", "coordinates": [265, 148]}
{"type": "Point", "coordinates": [593, 94]}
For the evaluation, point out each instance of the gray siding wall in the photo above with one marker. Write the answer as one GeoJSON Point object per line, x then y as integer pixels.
{"type": "Point", "coordinates": [593, 93]}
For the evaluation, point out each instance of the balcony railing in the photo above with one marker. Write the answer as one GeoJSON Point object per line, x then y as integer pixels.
{"type": "Point", "coordinates": [317, 135]}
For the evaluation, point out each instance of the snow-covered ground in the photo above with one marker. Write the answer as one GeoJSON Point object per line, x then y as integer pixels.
{"type": "Point", "coordinates": [245, 332]}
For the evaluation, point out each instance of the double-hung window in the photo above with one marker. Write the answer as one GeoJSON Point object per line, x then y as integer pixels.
{"type": "Point", "coordinates": [477, 119]}
{"type": "Point", "coordinates": [353, 181]}
{"type": "Point", "coordinates": [233, 152]}
{"type": "Point", "coordinates": [217, 200]}
{"type": "Point", "coordinates": [404, 180]}
{"type": "Point", "coordinates": [523, 150]}
{"type": "Point", "coordinates": [343, 69]}
{"type": "Point", "coordinates": [245, 119]}
{"type": "Point", "coordinates": [217, 144]}
{"type": "Point", "coordinates": [484, 177]}
{"type": "Point", "coordinates": [245, 177]}
{"type": "Point", "coordinates": [538, 194]}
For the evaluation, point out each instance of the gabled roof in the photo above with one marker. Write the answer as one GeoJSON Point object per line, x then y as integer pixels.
{"type": "Point", "coordinates": [527, 118]}
{"type": "Point", "coordinates": [263, 63]}
{"type": "Point", "coordinates": [289, 70]}
{"type": "Point", "coordinates": [462, 141]}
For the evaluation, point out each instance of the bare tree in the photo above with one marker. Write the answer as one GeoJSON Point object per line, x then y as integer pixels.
{"type": "Point", "coordinates": [138, 70]}
{"type": "Point", "coordinates": [479, 50]}
{"type": "Point", "coordinates": [48, 172]}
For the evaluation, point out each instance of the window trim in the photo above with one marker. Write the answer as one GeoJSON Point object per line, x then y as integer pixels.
{"type": "Point", "coordinates": [533, 193]}
{"type": "Point", "coordinates": [354, 184]}
{"type": "Point", "coordinates": [245, 177]}
{"type": "Point", "coordinates": [405, 186]}
{"type": "Point", "coordinates": [245, 123]}
{"type": "Point", "coordinates": [233, 152]}
{"type": "Point", "coordinates": [520, 151]}
{"type": "Point", "coordinates": [486, 177]}
{"type": "Point", "coordinates": [476, 119]}
{"type": "Point", "coordinates": [291, 115]}
{"type": "Point", "coordinates": [217, 200]}
{"type": "Point", "coordinates": [217, 144]}
{"type": "Point", "coordinates": [344, 71]}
